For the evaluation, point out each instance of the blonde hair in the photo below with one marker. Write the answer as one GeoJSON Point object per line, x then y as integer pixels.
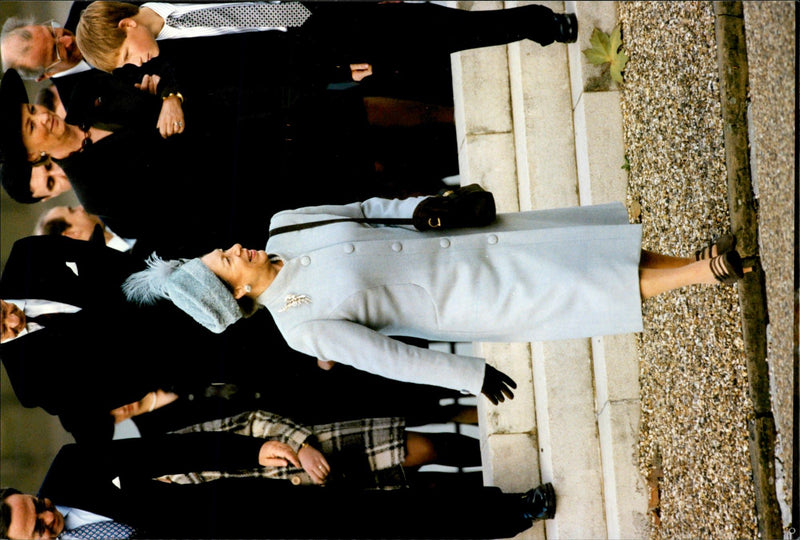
{"type": "Point", "coordinates": [99, 36]}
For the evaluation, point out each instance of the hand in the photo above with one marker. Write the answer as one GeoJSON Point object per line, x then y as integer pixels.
{"type": "Point", "coordinates": [170, 121]}
{"type": "Point", "coordinates": [496, 385]}
{"type": "Point", "coordinates": [314, 464]}
{"type": "Point", "coordinates": [149, 84]}
{"type": "Point", "coordinates": [277, 454]}
{"type": "Point", "coordinates": [326, 365]}
{"type": "Point", "coordinates": [360, 72]}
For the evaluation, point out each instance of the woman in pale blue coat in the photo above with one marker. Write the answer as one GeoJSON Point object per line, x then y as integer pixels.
{"type": "Point", "coordinates": [338, 290]}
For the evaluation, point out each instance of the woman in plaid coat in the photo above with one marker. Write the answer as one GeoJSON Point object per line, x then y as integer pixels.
{"type": "Point", "coordinates": [367, 453]}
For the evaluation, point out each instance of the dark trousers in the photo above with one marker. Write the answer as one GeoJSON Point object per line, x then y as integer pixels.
{"type": "Point", "coordinates": [245, 508]}
{"type": "Point", "coordinates": [409, 45]}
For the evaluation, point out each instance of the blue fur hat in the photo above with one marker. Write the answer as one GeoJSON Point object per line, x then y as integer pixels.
{"type": "Point", "coordinates": [190, 285]}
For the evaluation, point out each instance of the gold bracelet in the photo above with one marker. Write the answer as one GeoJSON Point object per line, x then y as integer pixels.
{"type": "Point", "coordinates": [173, 94]}
{"type": "Point", "coordinates": [303, 446]}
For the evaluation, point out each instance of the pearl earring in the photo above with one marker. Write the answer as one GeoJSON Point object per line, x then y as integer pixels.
{"type": "Point", "coordinates": [248, 288]}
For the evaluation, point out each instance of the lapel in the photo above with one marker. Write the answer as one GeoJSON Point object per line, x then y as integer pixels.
{"type": "Point", "coordinates": [65, 270]}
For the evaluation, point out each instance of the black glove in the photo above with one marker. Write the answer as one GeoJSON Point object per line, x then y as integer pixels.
{"type": "Point", "coordinates": [496, 385]}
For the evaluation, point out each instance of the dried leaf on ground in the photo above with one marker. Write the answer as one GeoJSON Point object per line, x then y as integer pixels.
{"type": "Point", "coordinates": [607, 49]}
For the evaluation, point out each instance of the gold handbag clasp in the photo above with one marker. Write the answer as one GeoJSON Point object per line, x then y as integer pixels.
{"type": "Point", "coordinates": [434, 222]}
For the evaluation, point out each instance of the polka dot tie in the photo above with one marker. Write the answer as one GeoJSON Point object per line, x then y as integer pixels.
{"type": "Point", "coordinates": [100, 530]}
{"type": "Point", "coordinates": [288, 14]}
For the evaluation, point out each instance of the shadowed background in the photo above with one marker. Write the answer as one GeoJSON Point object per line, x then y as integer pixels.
{"type": "Point", "coordinates": [29, 438]}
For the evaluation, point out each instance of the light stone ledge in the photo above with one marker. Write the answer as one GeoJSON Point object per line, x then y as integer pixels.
{"type": "Point", "coordinates": [626, 494]}
{"type": "Point", "coordinates": [516, 415]}
{"type": "Point", "coordinates": [480, 79]}
{"type": "Point", "coordinates": [543, 124]}
{"type": "Point", "coordinates": [616, 368]}
{"type": "Point", "coordinates": [511, 462]}
{"type": "Point", "coordinates": [489, 161]}
{"type": "Point", "coordinates": [569, 445]}
{"type": "Point", "coordinates": [600, 148]}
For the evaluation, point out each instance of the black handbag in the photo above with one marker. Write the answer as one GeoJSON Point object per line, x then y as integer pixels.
{"type": "Point", "coordinates": [468, 206]}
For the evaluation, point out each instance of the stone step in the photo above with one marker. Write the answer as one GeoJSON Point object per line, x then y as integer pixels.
{"type": "Point", "coordinates": [530, 131]}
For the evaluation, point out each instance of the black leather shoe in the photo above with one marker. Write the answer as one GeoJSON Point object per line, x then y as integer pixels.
{"type": "Point", "coordinates": [539, 503]}
{"type": "Point", "coordinates": [566, 28]}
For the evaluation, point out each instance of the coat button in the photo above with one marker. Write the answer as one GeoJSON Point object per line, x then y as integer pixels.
{"type": "Point", "coordinates": [305, 260]}
{"type": "Point", "coordinates": [296, 480]}
{"type": "Point", "coordinates": [397, 246]}
{"type": "Point", "coordinates": [492, 239]}
{"type": "Point", "coordinates": [349, 248]}
{"type": "Point", "coordinates": [444, 242]}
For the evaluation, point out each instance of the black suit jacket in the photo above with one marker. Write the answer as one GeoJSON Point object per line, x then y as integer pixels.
{"type": "Point", "coordinates": [37, 268]}
{"type": "Point", "coordinates": [66, 84]}
{"type": "Point", "coordinates": [406, 44]}
{"type": "Point", "coordinates": [115, 480]}
{"type": "Point", "coordinates": [96, 359]}
{"type": "Point", "coordinates": [221, 180]}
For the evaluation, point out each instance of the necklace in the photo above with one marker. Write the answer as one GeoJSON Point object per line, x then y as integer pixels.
{"type": "Point", "coordinates": [87, 139]}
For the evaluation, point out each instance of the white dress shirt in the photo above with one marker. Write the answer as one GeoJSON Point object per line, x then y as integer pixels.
{"type": "Point", "coordinates": [75, 517]}
{"type": "Point", "coordinates": [119, 243]}
{"type": "Point", "coordinates": [74, 70]}
{"type": "Point", "coordinates": [34, 308]}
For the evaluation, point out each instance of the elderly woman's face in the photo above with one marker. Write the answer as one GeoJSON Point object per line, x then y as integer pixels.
{"type": "Point", "coordinates": [42, 130]}
{"type": "Point", "coordinates": [237, 266]}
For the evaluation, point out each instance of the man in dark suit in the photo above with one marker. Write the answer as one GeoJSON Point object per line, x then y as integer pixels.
{"type": "Point", "coordinates": [78, 363]}
{"type": "Point", "coordinates": [76, 223]}
{"type": "Point", "coordinates": [110, 352]}
{"type": "Point", "coordinates": [114, 481]}
{"type": "Point", "coordinates": [44, 51]}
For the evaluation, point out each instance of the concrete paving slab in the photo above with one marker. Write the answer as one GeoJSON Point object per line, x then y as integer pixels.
{"type": "Point", "coordinates": [481, 76]}
{"type": "Point", "coordinates": [541, 108]}
{"type": "Point", "coordinates": [624, 489]}
{"type": "Point", "coordinates": [512, 463]}
{"type": "Point", "coordinates": [516, 415]}
{"type": "Point", "coordinates": [488, 160]}
{"type": "Point", "coordinates": [569, 446]}
{"type": "Point", "coordinates": [616, 368]}
{"type": "Point", "coordinates": [600, 148]}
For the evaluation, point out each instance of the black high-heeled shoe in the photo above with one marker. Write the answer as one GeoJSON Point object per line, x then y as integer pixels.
{"type": "Point", "coordinates": [727, 268]}
{"type": "Point", "coordinates": [725, 243]}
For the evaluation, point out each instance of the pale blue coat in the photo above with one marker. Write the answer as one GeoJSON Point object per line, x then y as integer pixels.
{"type": "Point", "coordinates": [531, 276]}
